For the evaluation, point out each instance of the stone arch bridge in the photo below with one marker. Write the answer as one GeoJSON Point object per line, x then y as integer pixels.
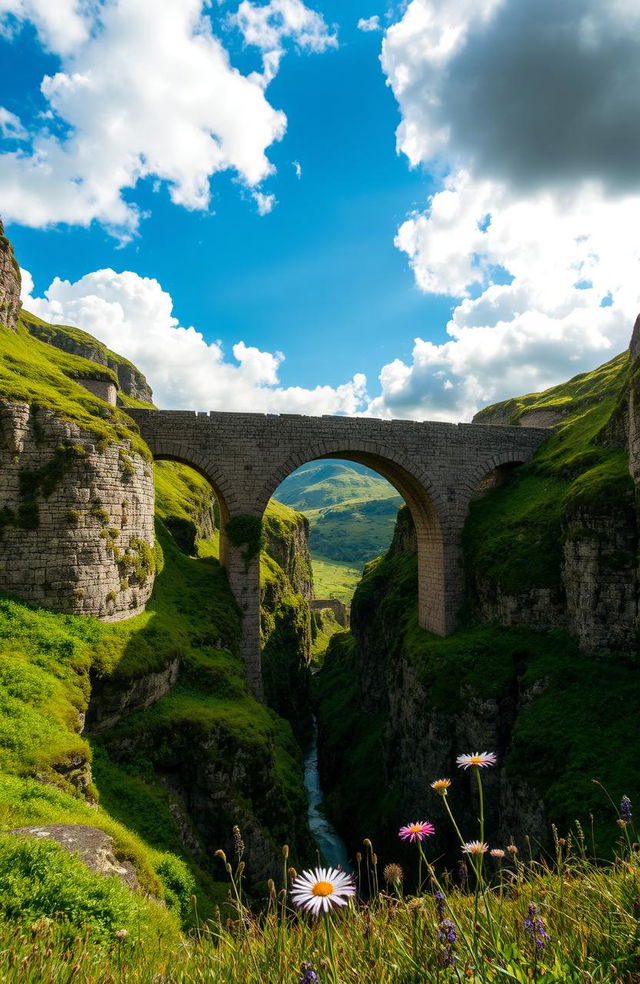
{"type": "Point", "coordinates": [437, 468]}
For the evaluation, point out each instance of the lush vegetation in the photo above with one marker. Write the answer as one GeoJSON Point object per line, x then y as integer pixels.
{"type": "Point", "coordinates": [351, 512]}
{"type": "Point", "coordinates": [514, 536]}
{"type": "Point", "coordinates": [33, 372]}
{"type": "Point", "coordinates": [564, 919]}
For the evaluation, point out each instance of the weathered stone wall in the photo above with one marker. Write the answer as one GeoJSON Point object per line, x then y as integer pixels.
{"type": "Point", "coordinates": [76, 523]}
{"type": "Point", "coordinates": [9, 283]}
{"type": "Point", "coordinates": [101, 388]}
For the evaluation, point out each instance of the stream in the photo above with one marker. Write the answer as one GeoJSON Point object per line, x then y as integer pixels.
{"type": "Point", "coordinates": [331, 846]}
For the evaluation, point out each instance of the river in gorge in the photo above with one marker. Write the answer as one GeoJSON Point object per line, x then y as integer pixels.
{"type": "Point", "coordinates": [331, 846]}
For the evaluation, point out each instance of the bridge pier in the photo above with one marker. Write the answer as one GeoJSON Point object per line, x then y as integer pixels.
{"type": "Point", "coordinates": [244, 580]}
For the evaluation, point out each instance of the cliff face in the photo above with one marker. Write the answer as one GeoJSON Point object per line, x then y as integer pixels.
{"type": "Point", "coordinates": [131, 381]}
{"type": "Point", "coordinates": [557, 548]}
{"type": "Point", "coordinates": [285, 616]}
{"type": "Point", "coordinates": [541, 673]}
{"type": "Point", "coordinates": [76, 521]}
{"type": "Point", "coordinates": [10, 283]}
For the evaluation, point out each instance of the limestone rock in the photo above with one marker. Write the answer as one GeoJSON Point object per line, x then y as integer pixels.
{"type": "Point", "coordinates": [111, 701]}
{"type": "Point", "coordinates": [76, 529]}
{"type": "Point", "coordinates": [10, 283]}
{"type": "Point", "coordinates": [92, 846]}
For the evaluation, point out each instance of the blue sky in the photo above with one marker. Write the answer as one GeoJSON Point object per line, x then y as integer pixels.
{"type": "Point", "coordinates": [444, 264]}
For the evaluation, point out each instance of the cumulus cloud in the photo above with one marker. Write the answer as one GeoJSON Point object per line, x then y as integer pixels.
{"type": "Point", "coordinates": [10, 126]}
{"type": "Point", "coordinates": [531, 92]}
{"type": "Point", "coordinates": [369, 23]}
{"type": "Point", "coordinates": [134, 316]}
{"type": "Point", "coordinates": [266, 26]}
{"type": "Point", "coordinates": [131, 103]}
{"type": "Point", "coordinates": [525, 110]}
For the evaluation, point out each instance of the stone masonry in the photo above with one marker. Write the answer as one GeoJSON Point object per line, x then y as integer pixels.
{"type": "Point", "coordinates": [76, 522]}
{"type": "Point", "coordinates": [436, 467]}
{"type": "Point", "coordinates": [9, 283]}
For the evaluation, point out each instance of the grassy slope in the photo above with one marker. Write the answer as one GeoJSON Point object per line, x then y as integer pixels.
{"type": "Point", "coordinates": [580, 725]}
{"type": "Point", "coordinates": [514, 533]}
{"type": "Point", "coordinates": [33, 372]}
{"type": "Point", "coordinates": [45, 660]}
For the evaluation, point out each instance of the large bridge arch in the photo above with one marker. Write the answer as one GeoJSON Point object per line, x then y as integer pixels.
{"type": "Point", "coordinates": [437, 603]}
{"type": "Point", "coordinates": [436, 467]}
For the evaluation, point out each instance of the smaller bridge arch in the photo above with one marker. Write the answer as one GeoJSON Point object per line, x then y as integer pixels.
{"type": "Point", "coordinates": [436, 467]}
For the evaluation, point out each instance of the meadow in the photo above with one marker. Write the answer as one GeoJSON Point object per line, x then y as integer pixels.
{"type": "Point", "coordinates": [561, 917]}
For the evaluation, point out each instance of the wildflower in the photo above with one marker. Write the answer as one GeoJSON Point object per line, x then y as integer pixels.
{"type": "Point", "coordinates": [534, 927]}
{"type": "Point", "coordinates": [416, 831]}
{"type": "Point", "coordinates": [441, 786]}
{"type": "Point", "coordinates": [238, 843]}
{"type": "Point", "coordinates": [320, 889]}
{"type": "Point", "coordinates": [625, 809]}
{"type": "Point", "coordinates": [481, 760]}
{"type": "Point", "coordinates": [512, 849]}
{"type": "Point", "coordinates": [393, 874]}
{"type": "Point", "coordinates": [447, 937]}
{"type": "Point", "coordinates": [439, 900]}
{"type": "Point", "coordinates": [497, 853]}
{"type": "Point", "coordinates": [475, 847]}
{"type": "Point", "coordinates": [307, 974]}
{"type": "Point", "coordinates": [121, 934]}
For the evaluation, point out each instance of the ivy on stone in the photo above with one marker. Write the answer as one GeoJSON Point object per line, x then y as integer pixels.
{"type": "Point", "coordinates": [246, 530]}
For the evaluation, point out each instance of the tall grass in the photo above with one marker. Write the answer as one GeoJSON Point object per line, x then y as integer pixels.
{"type": "Point", "coordinates": [563, 918]}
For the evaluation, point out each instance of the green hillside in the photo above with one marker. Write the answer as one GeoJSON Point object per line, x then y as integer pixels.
{"type": "Point", "coordinates": [351, 512]}
{"type": "Point", "coordinates": [127, 780]}
{"type": "Point", "coordinates": [567, 716]}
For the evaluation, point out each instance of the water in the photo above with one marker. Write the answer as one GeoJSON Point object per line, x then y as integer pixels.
{"type": "Point", "coordinates": [331, 846]}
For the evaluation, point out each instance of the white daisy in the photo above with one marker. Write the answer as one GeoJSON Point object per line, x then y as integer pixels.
{"type": "Point", "coordinates": [318, 890]}
{"type": "Point", "coordinates": [481, 760]}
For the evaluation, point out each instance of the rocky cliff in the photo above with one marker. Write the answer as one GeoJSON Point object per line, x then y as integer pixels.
{"type": "Point", "coordinates": [131, 381]}
{"type": "Point", "coordinates": [544, 670]}
{"type": "Point", "coordinates": [10, 282]}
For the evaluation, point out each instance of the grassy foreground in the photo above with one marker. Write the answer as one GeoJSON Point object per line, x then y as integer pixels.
{"type": "Point", "coordinates": [563, 919]}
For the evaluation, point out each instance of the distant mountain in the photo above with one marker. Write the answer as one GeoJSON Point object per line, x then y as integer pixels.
{"type": "Point", "coordinates": [328, 482]}
{"type": "Point", "coordinates": [351, 511]}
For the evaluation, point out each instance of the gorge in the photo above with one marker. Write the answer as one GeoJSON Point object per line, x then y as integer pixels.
{"type": "Point", "coordinates": [123, 639]}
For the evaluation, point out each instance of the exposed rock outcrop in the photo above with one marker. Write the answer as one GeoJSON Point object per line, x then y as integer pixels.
{"type": "Point", "coordinates": [112, 701]}
{"type": "Point", "coordinates": [76, 519]}
{"type": "Point", "coordinates": [10, 282]}
{"type": "Point", "coordinates": [92, 846]}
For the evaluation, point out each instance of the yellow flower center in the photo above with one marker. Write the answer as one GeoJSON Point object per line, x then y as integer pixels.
{"type": "Point", "coordinates": [475, 759]}
{"type": "Point", "coordinates": [322, 888]}
{"type": "Point", "coordinates": [416, 828]}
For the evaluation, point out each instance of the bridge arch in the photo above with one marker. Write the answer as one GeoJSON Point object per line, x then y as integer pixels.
{"type": "Point", "coordinates": [424, 501]}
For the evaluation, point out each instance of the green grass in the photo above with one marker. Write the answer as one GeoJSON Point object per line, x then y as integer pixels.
{"type": "Point", "coordinates": [564, 920]}
{"type": "Point", "coordinates": [514, 534]}
{"type": "Point", "coordinates": [35, 373]}
{"type": "Point", "coordinates": [334, 579]}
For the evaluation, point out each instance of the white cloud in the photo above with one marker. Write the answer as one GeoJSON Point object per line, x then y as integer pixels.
{"type": "Point", "coordinates": [134, 316]}
{"type": "Point", "coordinates": [369, 23]}
{"type": "Point", "coordinates": [10, 126]}
{"type": "Point", "coordinates": [61, 25]}
{"type": "Point", "coordinates": [266, 26]}
{"type": "Point", "coordinates": [265, 203]}
{"type": "Point", "coordinates": [134, 102]}
{"type": "Point", "coordinates": [531, 257]}
{"type": "Point", "coordinates": [297, 167]}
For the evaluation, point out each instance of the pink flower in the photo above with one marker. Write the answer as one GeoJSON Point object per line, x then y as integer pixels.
{"type": "Point", "coordinates": [416, 831]}
{"type": "Point", "coordinates": [481, 760]}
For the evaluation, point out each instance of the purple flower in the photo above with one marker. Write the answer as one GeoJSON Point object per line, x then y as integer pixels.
{"type": "Point", "coordinates": [535, 929]}
{"type": "Point", "coordinates": [439, 900]}
{"type": "Point", "coordinates": [307, 974]}
{"type": "Point", "coordinates": [446, 934]}
{"type": "Point", "coordinates": [625, 809]}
